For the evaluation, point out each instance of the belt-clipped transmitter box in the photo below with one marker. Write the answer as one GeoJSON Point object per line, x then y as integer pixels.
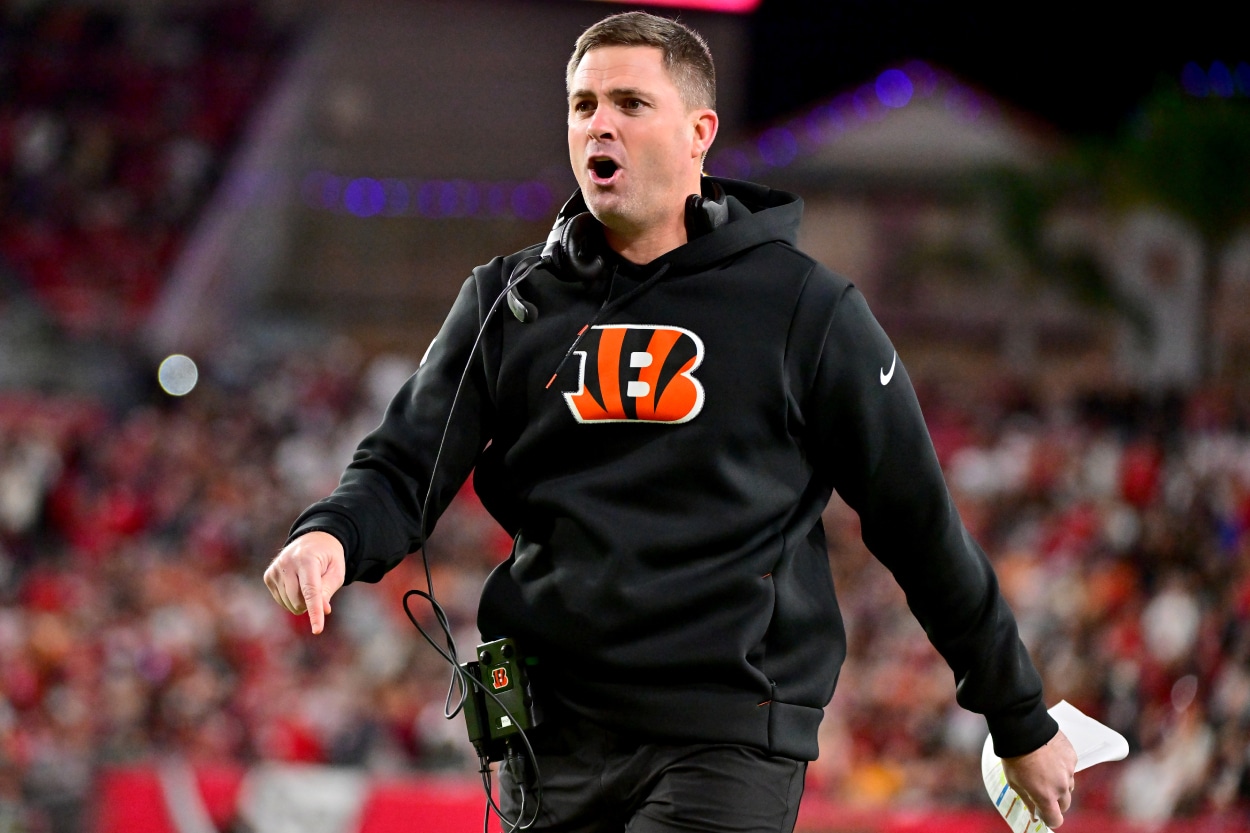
{"type": "Point", "coordinates": [503, 672]}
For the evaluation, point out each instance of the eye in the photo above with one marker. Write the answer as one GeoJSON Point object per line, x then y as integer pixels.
{"type": "Point", "coordinates": [631, 104]}
{"type": "Point", "coordinates": [583, 106]}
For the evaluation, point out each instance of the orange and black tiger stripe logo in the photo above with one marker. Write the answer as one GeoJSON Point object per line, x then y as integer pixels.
{"type": "Point", "coordinates": [637, 373]}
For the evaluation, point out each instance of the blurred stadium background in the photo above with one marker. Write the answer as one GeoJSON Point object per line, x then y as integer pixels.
{"type": "Point", "coordinates": [1049, 213]}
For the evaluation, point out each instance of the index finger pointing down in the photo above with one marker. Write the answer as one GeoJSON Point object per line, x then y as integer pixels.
{"type": "Point", "coordinates": [310, 589]}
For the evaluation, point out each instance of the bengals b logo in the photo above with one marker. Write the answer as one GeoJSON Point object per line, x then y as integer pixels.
{"type": "Point", "coordinates": [637, 373]}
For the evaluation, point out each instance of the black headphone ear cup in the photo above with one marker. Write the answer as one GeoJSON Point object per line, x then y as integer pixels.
{"type": "Point", "coordinates": [581, 248]}
{"type": "Point", "coordinates": [706, 212]}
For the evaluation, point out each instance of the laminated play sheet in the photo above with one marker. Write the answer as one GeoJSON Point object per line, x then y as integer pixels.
{"type": "Point", "coordinates": [1094, 743]}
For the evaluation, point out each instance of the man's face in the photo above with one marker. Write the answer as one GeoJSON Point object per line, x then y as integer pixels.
{"type": "Point", "coordinates": [634, 146]}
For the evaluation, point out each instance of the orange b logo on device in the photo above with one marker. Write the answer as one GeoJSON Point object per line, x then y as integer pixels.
{"type": "Point", "coordinates": [637, 373]}
{"type": "Point", "coordinates": [499, 678]}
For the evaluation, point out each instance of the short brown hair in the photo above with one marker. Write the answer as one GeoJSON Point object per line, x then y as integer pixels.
{"type": "Point", "coordinates": [686, 56]}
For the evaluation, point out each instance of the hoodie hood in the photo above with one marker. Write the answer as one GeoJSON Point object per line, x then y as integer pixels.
{"type": "Point", "coordinates": [757, 215]}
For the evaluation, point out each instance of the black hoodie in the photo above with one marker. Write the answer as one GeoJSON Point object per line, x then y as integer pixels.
{"type": "Point", "coordinates": [665, 491]}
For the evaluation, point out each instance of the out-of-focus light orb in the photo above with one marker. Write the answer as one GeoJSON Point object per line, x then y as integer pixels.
{"type": "Point", "coordinates": [177, 375]}
{"type": "Point", "coordinates": [1220, 80]}
{"type": "Point", "coordinates": [894, 88]}
{"type": "Point", "coordinates": [398, 197]}
{"type": "Point", "coordinates": [468, 196]}
{"type": "Point", "coordinates": [1194, 79]}
{"type": "Point", "coordinates": [778, 147]}
{"type": "Point", "coordinates": [364, 197]}
{"type": "Point", "coordinates": [449, 204]}
{"type": "Point", "coordinates": [532, 201]}
{"type": "Point", "coordinates": [496, 200]}
{"type": "Point", "coordinates": [1183, 692]}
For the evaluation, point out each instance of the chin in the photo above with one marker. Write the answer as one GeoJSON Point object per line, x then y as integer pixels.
{"type": "Point", "coordinates": [605, 207]}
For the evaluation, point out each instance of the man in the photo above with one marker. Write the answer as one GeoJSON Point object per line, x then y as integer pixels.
{"type": "Point", "coordinates": [712, 385]}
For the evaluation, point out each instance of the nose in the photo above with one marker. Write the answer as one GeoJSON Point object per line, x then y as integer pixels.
{"type": "Point", "coordinates": [599, 126]}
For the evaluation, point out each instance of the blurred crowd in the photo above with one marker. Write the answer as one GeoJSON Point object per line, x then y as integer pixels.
{"type": "Point", "coordinates": [1120, 531]}
{"type": "Point", "coordinates": [134, 624]}
{"type": "Point", "coordinates": [133, 621]}
{"type": "Point", "coordinates": [113, 123]}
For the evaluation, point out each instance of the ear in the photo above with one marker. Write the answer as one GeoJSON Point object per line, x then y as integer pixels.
{"type": "Point", "coordinates": [705, 125]}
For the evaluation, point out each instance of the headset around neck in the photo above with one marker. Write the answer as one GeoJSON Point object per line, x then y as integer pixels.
{"type": "Point", "coordinates": [574, 250]}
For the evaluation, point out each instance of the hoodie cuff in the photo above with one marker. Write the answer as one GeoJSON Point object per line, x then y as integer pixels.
{"type": "Point", "coordinates": [1021, 730]}
{"type": "Point", "coordinates": [332, 523]}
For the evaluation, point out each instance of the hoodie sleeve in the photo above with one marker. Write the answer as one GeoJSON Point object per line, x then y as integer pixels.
{"type": "Point", "coordinates": [866, 433]}
{"type": "Point", "coordinates": [376, 511]}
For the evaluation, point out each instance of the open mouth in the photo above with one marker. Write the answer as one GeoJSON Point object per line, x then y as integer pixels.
{"type": "Point", "coordinates": [603, 170]}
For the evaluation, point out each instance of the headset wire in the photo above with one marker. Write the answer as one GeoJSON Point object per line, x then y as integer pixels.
{"type": "Point", "coordinates": [460, 679]}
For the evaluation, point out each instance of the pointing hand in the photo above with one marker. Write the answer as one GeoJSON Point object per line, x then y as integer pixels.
{"type": "Point", "coordinates": [307, 572]}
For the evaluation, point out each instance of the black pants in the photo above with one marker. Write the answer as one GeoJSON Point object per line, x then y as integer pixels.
{"type": "Point", "coordinates": [596, 781]}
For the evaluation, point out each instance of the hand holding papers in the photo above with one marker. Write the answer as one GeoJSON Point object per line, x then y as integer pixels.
{"type": "Point", "coordinates": [1094, 744]}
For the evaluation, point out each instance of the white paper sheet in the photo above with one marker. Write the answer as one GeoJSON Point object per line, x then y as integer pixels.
{"type": "Point", "coordinates": [1094, 744]}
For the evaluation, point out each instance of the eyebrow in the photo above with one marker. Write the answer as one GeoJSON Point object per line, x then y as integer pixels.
{"type": "Point", "coordinates": [617, 92]}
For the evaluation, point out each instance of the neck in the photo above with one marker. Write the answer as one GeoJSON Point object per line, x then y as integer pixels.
{"type": "Point", "coordinates": [643, 242]}
{"type": "Point", "coordinates": [643, 245]}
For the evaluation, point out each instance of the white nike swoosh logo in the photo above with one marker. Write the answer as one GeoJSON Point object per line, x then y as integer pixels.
{"type": "Point", "coordinates": [886, 377]}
